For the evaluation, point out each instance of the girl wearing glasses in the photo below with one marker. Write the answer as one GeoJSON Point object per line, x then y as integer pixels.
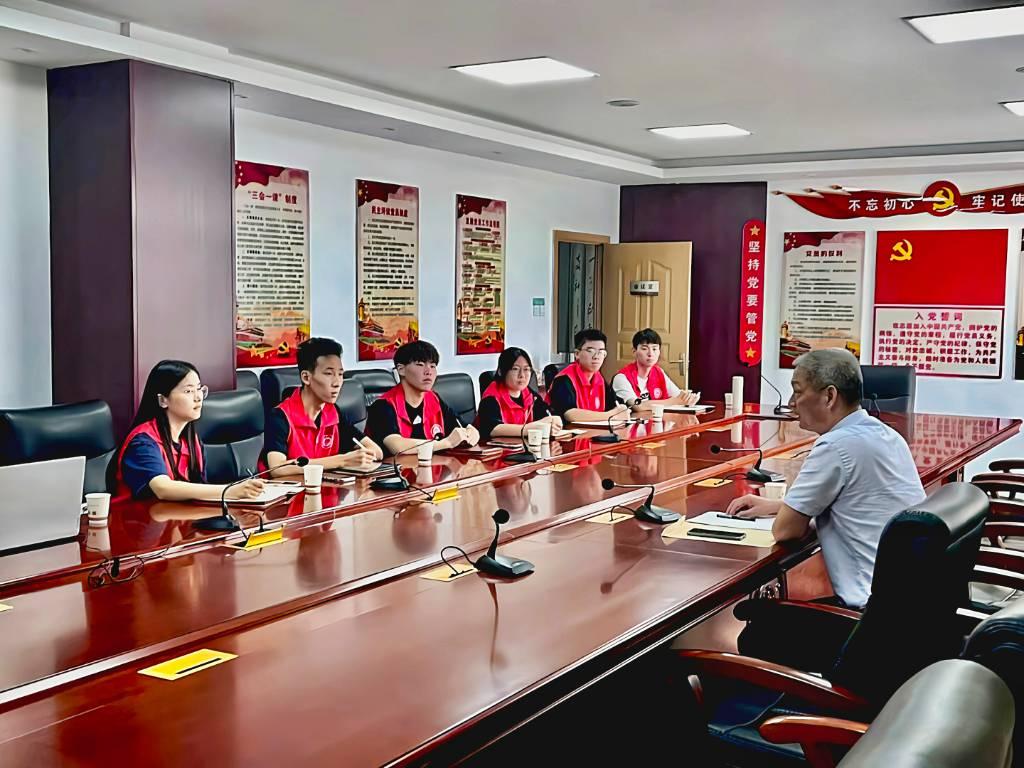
{"type": "Point", "coordinates": [162, 456]}
{"type": "Point", "coordinates": [508, 403]}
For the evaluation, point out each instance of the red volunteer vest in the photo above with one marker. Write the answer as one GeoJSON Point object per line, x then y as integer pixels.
{"type": "Point", "coordinates": [149, 429]}
{"type": "Point", "coordinates": [655, 381]}
{"type": "Point", "coordinates": [305, 438]}
{"type": "Point", "coordinates": [590, 396]}
{"type": "Point", "coordinates": [511, 412]}
{"type": "Point", "coordinates": [433, 420]}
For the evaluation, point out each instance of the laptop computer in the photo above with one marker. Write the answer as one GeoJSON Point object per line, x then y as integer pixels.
{"type": "Point", "coordinates": [40, 503]}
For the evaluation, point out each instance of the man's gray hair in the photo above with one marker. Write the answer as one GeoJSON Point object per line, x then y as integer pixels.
{"type": "Point", "coordinates": [833, 368]}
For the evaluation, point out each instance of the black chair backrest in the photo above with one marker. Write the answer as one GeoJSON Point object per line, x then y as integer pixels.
{"type": "Point", "coordinates": [550, 371]}
{"type": "Point", "coordinates": [246, 379]}
{"type": "Point", "coordinates": [922, 574]}
{"type": "Point", "coordinates": [375, 381]}
{"type": "Point", "coordinates": [456, 389]}
{"type": "Point", "coordinates": [60, 432]}
{"type": "Point", "coordinates": [894, 387]}
{"type": "Point", "coordinates": [274, 382]}
{"type": "Point", "coordinates": [352, 403]}
{"type": "Point", "coordinates": [231, 428]}
{"type": "Point", "coordinates": [954, 713]}
{"type": "Point", "coordinates": [998, 643]}
{"type": "Point", "coordinates": [486, 377]}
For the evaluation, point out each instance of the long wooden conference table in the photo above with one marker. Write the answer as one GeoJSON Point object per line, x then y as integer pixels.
{"type": "Point", "coordinates": [343, 653]}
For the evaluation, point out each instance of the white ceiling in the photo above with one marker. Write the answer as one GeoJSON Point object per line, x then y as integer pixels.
{"type": "Point", "coordinates": [801, 75]}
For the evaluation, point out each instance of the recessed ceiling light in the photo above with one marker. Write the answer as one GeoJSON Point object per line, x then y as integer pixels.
{"type": "Point", "coordinates": [970, 25]}
{"type": "Point", "coordinates": [712, 131]}
{"type": "Point", "coordinates": [623, 103]}
{"type": "Point", "coordinates": [523, 71]}
{"type": "Point", "coordinates": [1017, 107]}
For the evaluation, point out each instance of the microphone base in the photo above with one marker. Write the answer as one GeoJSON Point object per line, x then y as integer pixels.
{"type": "Point", "coordinates": [506, 567]}
{"type": "Point", "coordinates": [390, 484]}
{"type": "Point", "coordinates": [221, 523]}
{"type": "Point", "coordinates": [653, 514]}
{"type": "Point", "coordinates": [525, 457]}
{"type": "Point", "coordinates": [605, 439]}
{"type": "Point", "coordinates": [760, 476]}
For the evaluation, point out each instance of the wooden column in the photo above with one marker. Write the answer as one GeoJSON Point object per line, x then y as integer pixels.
{"type": "Point", "coordinates": [141, 229]}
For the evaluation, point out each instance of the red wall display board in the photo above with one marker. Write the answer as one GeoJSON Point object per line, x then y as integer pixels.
{"type": "Point", "coordinates": [939, 301]}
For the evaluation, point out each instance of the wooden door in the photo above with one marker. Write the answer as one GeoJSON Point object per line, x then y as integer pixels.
{"type": "Point", "coordinates": [665, 308]}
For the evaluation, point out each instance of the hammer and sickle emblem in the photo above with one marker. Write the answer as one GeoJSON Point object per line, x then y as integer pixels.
{"type": "Point", "coordinates": [947, 199]}
{"type": "Point", "coordinates": [902, 251]}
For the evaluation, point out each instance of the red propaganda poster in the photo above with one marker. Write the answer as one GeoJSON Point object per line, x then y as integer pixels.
{"type": "Point", "coordinates": [479, 275]}
{"type": "Point", "coordinates": [387, 267]}
{"type": "Point", "coordinates": [939, 301]}
{"type": "Point", "coordinates": [272, 312]}
{"type": "Point", "coordinates": [751, 292]}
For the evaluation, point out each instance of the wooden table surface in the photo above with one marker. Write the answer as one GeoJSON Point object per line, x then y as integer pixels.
{"type": "Point", "coordinates": [346, 655]}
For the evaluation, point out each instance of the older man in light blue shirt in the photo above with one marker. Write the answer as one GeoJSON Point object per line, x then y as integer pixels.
{"type": "Point", "coordinates": [859, 474]}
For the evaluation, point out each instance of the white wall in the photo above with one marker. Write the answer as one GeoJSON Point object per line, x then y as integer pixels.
{"type": "Point", "coordinates": [24, 238]}
{"type": "Point", "coordinates": [979, 397]}
{"type": "Point", "coordinates": [538, 202]}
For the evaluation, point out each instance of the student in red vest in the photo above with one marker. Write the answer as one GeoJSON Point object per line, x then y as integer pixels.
{"type": "Point", "coordinates": [162, 456]}
{"type": "Point", "coordinates": [579, 391]}
{"type": "Point", "coordinates": [645, 377]}
{"type": "Point", "coordinates": [508, 403]}
{"type": "Point", "coordinates": [308, 422]}
{"type": "Point", "coordinates": [412, 412]}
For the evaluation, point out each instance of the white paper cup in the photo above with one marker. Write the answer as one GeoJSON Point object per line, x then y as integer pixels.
{"type": "Point", "coordinates": [657, 411]}
{"type": "Point", "coordinates": [728, 401]}
{"type": "Point", "coordinates": [535, 437]}
{"type": "Point", "coordinates": [774, 491]}
{"type": "Point", "coordinates": [425, 452]}
{"type": "Point", "coordinates": [97, 506]}
{"type": "Point", "coordinates": [312, 477]}
{"type": "Point", "coordinates": [545, 431]}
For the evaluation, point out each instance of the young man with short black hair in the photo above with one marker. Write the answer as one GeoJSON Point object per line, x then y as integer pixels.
{"type": "Point", "coordinates": [579, 392]}
{"type": "Point", "coordinates": [412, 412]}
{"type": "Point", "coordinates": [644, 377]}
{"type": "Point", "coordinates": [308, 422]}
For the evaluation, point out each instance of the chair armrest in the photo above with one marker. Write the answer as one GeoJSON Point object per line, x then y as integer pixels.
{"type": "Point", "coordinates": [1006, 465]}
{"type": "Point", "coordinates": [1011, 560]}
{"type": "Point", "coordinates": [775, 677]}
{"type": "Point", "coordinates": [1000, 577]}
{"type": "Point", "coordinates": [814, 734]}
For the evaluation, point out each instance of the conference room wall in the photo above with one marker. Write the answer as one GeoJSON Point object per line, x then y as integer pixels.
{"type": "Point", "coordinates": [24, 238]}
{"type": "Point", "coordinates": [538, 202]}
{"type": "Point", "coordinates": [976, 397]}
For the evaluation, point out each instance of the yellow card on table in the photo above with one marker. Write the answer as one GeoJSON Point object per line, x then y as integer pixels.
{"type": "Point", "coordinates": [713, 482]}
{"type": "Point", "coordinates": [653, 445]}
{"type": "Point", "coordinates": [6, 607]}
{"type": "Point", "coordinates": [186, 665]}
{"type": "Point", "coordinates": [445, 572]}
{"type": "Point", "coordinates": [261, 539]}
{"type": "Point", "coordinates": [609, 518]}
{"type": "Point", "coordinates": [752, 538]}
{"type": "Point", "coordinates": [445, 494]}
{"type": "Point", "coordinates": [563, 467]}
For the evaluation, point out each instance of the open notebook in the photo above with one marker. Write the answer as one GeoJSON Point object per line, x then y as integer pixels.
{"type": "Point", "coordinates": [273, 491]}
{"type": "Point", "coordinates": [716, 519]}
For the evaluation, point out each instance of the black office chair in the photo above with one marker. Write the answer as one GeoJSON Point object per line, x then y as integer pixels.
{"type": "Point", "coordinates": [486, 377]}
{"type": "Point", "coordinates": [352, 403]}
{"type": "Point", "coordinates": [231, 427]}
{"type": "Point", "coordinates": [375, 381]}
{"type": "Point", "coordinates": [246, 379]}
{"type": "Point", "coordinates": [274, 382]}
{"type": "Point", "coordinates": [890, 388]}
{"type": "Point", "coordinates": [456, 389]}
{"type": "Point", "coordinates": [60, 432]}
{"type": "Point", "coordinates": [924, 563]}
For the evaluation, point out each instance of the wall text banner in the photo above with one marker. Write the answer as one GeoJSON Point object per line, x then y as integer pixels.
{"type": "Point", "coordinates": [272, 310]}
{"type": "Point", "coordinates": [939, 297]}
{"type": "Point", "coordinates": [752, 292]}
{"type": "Point", "coordinates": [479, 275]}
{"type": "Point", "coordinates": [940, 198]}
{"type": "Point", "coordinates": [822, 274]}
{"type": "Point", "coordinates": [387, 267]}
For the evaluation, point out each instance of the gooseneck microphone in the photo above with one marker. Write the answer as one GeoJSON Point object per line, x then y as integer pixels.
{"type": "Point", "coordinates": [873, 397]}
{"type": "Point", "coordinates": [646, 511]}
{"type": "Point", "coordinates": [396, 482]}
{"type": "Point", "coordinates": [499, 565]}
{"type": "Point", "coordinates": [611, 437]}
{"type": "Point", "coordinates": [755, 473]}
{"type": "Point", "coordinates": [226, 522]}
{"type": "Point", "coordinates": [780, 409]}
